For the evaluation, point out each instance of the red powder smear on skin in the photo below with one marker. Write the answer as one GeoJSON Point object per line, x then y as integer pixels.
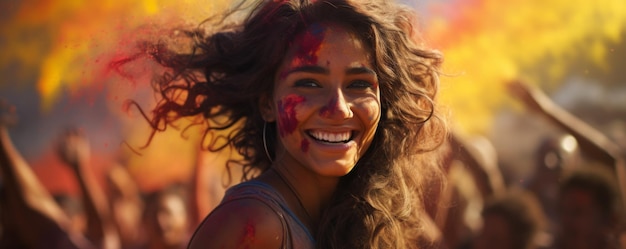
{"type": "Point", "coordinates": [249, 235]}
{"type": "Point", "coordinates": [304, 146]}
{"type": "Point", "coordinates": [308, 45]}
{"type": "Point", "coordinates": [287, 121]}
{"type": "Point", "coordinates": [329, 109]}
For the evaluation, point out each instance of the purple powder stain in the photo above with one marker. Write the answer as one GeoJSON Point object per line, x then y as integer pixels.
{"type": "Point", "coordinates": [287, 121]}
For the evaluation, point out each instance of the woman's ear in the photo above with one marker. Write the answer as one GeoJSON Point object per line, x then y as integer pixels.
{"type": "Point", "coordinates": [267, 108]}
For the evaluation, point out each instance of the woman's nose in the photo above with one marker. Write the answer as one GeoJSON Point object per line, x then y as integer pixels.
{"type": "Point", "coordinates": [337, 107]}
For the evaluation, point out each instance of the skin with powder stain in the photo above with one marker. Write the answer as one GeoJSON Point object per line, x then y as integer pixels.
{"type": "Point", "coordinates": [287, 121]}
{"type": "Point", "coordinates": [306, 52]}
{"type": "Point", "coordinates": [330, 108]}
{"type": "Point", "coordinates": [249, 233]}
{"type": "Point", "coordinates": [304, 146]}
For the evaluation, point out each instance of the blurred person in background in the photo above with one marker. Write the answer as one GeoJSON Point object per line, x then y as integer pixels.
{"type": "Point", "coordinates": [74, 150]}
{"type": "Point", "coordinates": [593, 146]}
{"type": "Point", "coordinates": [582, 146]}
{"type": "Point", "coordinates": [590, 211]}
{"type": "Point", "coordinates": [554, 156]}
{"type": "Point", "coordinates": [473, 175]}
{"type": "Point", "coordinates": [29, 216]}
{"type": "Point", "coordinates": [513, 220]}
{"type": "Point", "coordinates": [126, 206]}
{"type": "Point", "coordinates": [73, 209]}
{"type": "Point", "coordinates": [166, 218]}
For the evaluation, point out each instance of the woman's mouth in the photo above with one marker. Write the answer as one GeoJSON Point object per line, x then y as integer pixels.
{"type": "Point", "coordinates": [331, 137]}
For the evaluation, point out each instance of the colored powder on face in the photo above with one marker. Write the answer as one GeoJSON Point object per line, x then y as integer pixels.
{"type": "Point", "coordinates": [304, 146]}
{"type": "Point", "coordinates": [309, 44]}
{"type": "Point", "coordinates": [329, 109]}
{"type": "Point", "coordinates": [287, 121]}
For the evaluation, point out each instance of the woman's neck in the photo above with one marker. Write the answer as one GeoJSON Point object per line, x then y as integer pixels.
{"type": "Point", "coordinates": [306, 193]}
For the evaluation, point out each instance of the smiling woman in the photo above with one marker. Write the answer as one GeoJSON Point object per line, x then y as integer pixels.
{"type": "Point", "coordinates": [334, 107]}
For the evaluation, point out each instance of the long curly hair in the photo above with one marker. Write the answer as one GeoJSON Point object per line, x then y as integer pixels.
{"type": "Point", "coordinates": [232, 67]}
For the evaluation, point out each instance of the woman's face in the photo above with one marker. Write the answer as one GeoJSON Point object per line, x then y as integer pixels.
{"type": "Point", "coordinates": [326, 101]}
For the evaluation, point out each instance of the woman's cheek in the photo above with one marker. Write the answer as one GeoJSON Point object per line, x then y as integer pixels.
{"type": "Point", "coordinates": [287, 114]}
{"type": "Point", "coordinates": [304, 145]}
{"type": "Point", "coordinates": [372, 110]}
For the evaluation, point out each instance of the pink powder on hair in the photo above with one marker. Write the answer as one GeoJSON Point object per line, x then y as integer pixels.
{"type": "Point", "coordinates": [287, 121]}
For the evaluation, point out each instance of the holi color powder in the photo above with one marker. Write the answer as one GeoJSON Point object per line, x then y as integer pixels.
{"type": "Point", "coordinates": [304, 146]}
{"type": "Point", "coordinates": [287, 121]}
{"type": "Point", "coordinates": [249, 234]}
{"type": "Point", "coordinates": [329, 109]}
{"type": "Point", "coordinates": [309, 45]}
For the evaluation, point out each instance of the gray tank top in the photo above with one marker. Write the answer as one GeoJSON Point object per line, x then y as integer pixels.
{"type": "Point", "coordinates": [295, 234]}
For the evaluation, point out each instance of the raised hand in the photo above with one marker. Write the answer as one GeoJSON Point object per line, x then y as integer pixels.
{"type": "Point", "coordinates": [73, 148]}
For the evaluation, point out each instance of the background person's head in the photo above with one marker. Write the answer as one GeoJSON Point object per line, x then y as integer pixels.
{"type": "Point", "coordinates": [589, 208]}
{"type": "Point", "coordinates": [511, 221]}
{"type": "Point", "coordinates": [166, 219]}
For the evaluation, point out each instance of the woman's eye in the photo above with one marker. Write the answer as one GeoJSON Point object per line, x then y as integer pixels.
{"type": "Point", "coordinates": [360, 84]}
{"type": "Point", "coordinates": [306, 83]}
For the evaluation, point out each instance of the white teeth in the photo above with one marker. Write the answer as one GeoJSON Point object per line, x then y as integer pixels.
{"type": "Point", "coordinates": [331, 137]}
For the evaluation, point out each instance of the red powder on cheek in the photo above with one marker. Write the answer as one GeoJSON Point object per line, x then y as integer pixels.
{"type": "Point", "coordinates": [287, 121]}
{"type": "Point", "coordinates": [330, 108]}
{"type": "Point", "coordinates": [304, 146]}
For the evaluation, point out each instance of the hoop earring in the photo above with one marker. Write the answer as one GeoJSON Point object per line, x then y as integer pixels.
{"type": "Point", "coordinates": [267, 153]}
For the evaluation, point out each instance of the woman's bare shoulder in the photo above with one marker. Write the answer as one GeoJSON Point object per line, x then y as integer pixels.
{"type": "Point", "coordinates": [242, 223]}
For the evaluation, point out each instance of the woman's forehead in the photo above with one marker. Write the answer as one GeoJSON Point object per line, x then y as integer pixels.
{"type": "Point", "coordinates": [307, 44]}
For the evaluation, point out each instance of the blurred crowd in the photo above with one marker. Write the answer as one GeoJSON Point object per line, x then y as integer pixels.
{"type": "Point", "coordinates": [573, 199]}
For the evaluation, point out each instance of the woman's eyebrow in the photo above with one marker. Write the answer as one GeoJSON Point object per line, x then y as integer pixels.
{"type": "Point", "coordinates": [308, 69]}
{"type": "Point", "coordinates": [360, 70]}
{"type": "Point", "coordinates": [322, 70]}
